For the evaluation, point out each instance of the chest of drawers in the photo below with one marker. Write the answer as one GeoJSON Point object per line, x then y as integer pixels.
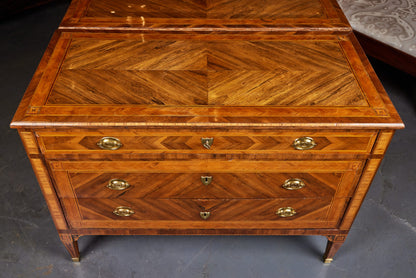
{"type": "Point", "coordinates": [210, 130]}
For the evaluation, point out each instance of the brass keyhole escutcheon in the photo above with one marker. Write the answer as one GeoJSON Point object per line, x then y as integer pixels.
{"type": "Point", "coordinates": [286, 212]}
{"type": "Point", "coordinates": [118, 184]}
{"type": "Point", "coordinates": [205, 214]}
{"type": "Point", "coordinates": [206, 180]}
{"type": "Point", "coordinates": [304, 143]}
{"type": "Point", "coordinates": [293, 184]}
{"type": "Point", "coordinates": [109, 143]}
{"type": "Point", "coordinates": [123, 211]}
{"type": "Point", "coordinates": [207, 142]}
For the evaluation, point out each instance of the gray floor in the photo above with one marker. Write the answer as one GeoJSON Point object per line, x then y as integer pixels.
{"type": "Point", "coordinates": [382, 242]}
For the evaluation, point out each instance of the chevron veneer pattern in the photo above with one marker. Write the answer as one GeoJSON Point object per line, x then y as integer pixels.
{"type": "Point", "coordinates": [193, 143]}
{"type": "Point", "coordinates": [189, 185]}
{"type": "Point", "coordinates": [160, 75]}
{"type": "Point", "coordinates": [208, 16]}
{"type": "Point", "coordinates": [217, 73]}
{"type": "Point", "coordinates": [189, 209]}
{"type": "Point", "coordinates": [218, 9]}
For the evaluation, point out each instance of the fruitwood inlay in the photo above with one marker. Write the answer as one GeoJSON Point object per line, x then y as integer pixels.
{"type": "Point", "coordinates": [192, 166]}
{"type": "Point", "coordinates": [49, 193]}
{"type": "Point", "coordinates": [167, 72]}
{"type": "Point", "coordinates": [383, 141]}
{"type": "Point", "coordinates": [30, 143]}
{"type": "Point", "coordinates": [363, 186]}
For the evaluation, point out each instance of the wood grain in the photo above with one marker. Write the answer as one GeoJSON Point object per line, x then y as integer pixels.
{"type": "Point", "coordinates": [189, 209]}
{"type": "Point", "coordinates": [29, 142]}
{"type": "Point", "coordinates": [192, 143]}
{"type": "Point", "coordinates": [369, 172]}
{"type": "Point", "coordinates": [159, 180]}
{"type": "Point", "coordinates": [209, 15]}
{"type": "Point", "coordinates": [160, 75]}
{"type": "Point", "coordinates": [223, 186]}
{"type": "Point", "coordinates": [71, 244]}
{"type": "Point", "coordinates": [212, 165]}
{"type": "Point", "coordinates": [200, 73]}
{"type": "Point", "coordinates": [184, 214]}
{"type": "Point", "coordinates": [383, 141]}
{"type": "Point", "coordinates": [291, 73]}
{"type": "Point", "coordinates": [268, 9]}
{"type": "Point", "coordinates": [49, 193]}
{"type": "Point", "coordinates": [334, 243]}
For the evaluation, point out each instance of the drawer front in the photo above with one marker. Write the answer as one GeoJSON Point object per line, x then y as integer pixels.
{"type": "Point", "coordinates": [188, 179]}
{"type": "Point", "coordinates": [204, 213]}
{"type": "Point", "coordinates": [191, 209]}
{"type": "Point", "coordinates": [202, 185]}
{"type": "Point", "coordinates": [111, 142]}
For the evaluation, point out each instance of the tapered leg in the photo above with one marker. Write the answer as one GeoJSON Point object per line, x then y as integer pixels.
{"type": "Point", "coordinates": [71, 244]}
{"type": "Point", "coordinates": [333, 245]}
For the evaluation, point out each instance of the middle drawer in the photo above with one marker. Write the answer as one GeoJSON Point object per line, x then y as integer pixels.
{"type": "Point", "coordinates": [207, 179]}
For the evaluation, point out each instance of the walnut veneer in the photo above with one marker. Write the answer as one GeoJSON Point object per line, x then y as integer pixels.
{"type": "Point", "coordinates": [288, 16]}
{"type": "Point", "coordinates": [162, 118]}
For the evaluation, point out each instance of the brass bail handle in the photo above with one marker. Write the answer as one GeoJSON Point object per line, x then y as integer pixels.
{"type": "Point", "coordinates": [109, 143]}
{"type": "Point", "coordinates": [118, 184]}
{"type": "Point", "coordinates": [123, 211]}
{"type": "Point", "coordinates": [293, 184]}
{"type": "Point", "coordinates": [207, 142]}
{"type": "Point", "coordinates": [304, 143]}
{"type": "Point", "coordinates": [286, 212]}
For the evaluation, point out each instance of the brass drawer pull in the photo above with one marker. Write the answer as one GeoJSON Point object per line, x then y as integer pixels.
{"type": "Point", "coordinates": [293, 184]}
{"type": "Point", "coordinates": [109, 143]}
{"type": "Point", "coordinates": [118, 184]}
{"type": "Point", "coordinates": [286, 212]}
{"type": "Point", "coordinates": [206, 180]}
{"type": "Point", "coordinates": [207, 142]}
{"type": "Point", "coordinates": [123, 211]}
{"type": "Point", "coordinates": [304, 143]}
{"type": "Point", "coordinates": [205, 214]}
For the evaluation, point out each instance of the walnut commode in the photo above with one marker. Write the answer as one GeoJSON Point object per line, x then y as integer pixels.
{"type": "Point", "coordinates": [214, 118]}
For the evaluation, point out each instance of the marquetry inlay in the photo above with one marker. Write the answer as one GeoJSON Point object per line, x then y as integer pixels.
{"type": "Point", "coordinates": [219, 73]}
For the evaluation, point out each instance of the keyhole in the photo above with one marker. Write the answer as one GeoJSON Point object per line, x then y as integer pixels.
{"type": "Point", "coordinates": [204, 214]}
{"type": "Point", "coordinates": [206, 180]}
{"type": "Point", "coordinates": [207, 142]}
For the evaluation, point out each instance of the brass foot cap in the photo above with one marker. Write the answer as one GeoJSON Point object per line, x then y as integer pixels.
{"type": "Point", "coordinates": [328, 261]}
{"type": "Point", "coordinates": [75, 260]}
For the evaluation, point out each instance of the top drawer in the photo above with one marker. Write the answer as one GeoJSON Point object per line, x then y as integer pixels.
{"type": "Point", "coordinates": [206, 142]}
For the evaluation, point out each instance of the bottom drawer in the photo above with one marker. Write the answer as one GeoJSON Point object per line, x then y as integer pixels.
{"type": "Point", "coordinates": [203, 213]}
